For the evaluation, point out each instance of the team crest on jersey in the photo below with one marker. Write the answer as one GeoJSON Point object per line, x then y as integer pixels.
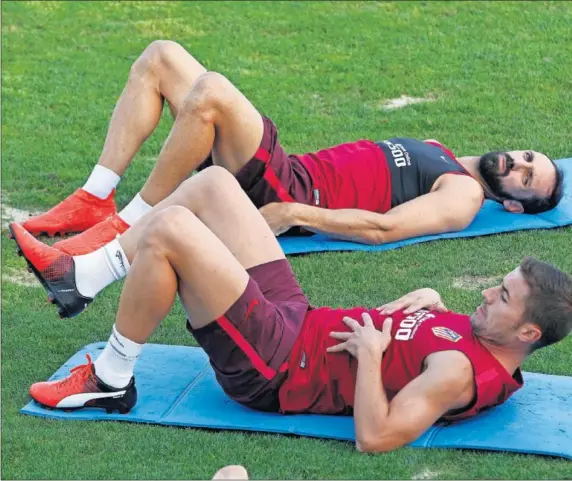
{"type": "Point", "coordinates": [446, 333]}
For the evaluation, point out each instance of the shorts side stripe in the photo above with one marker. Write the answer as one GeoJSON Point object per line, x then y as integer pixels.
{"type": "Point", "coordinates": [271, 177]}
{"type": "Point", "coordinates": [263, 155]}
{"type": "Point", "coordinates": [246, 347]}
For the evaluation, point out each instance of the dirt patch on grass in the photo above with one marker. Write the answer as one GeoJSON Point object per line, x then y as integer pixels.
{"type": "Point", "coordinates": [404, 101]}
{"type": "Point", "coordinates": [21, 278]}
{"type": "Point", "coordinates": [426, 474]}
{"type": "Point", "coordinates": [473, 283]}
{"type": "Point", "coordinates": [10, 214]}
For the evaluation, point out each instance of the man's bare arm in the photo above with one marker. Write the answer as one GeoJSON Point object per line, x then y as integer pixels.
{"type": "Point", "coordinates": [446, 384]}
{"type": "Point", "coordinates": [424, 298]}
{"type": "Point", "coordinates": [449, 208]}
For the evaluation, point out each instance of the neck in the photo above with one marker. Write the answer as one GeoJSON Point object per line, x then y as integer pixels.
{"type": "Point", "coordinates": [510, 358]}
{"type": "Point", "coordinates": [471, 164]}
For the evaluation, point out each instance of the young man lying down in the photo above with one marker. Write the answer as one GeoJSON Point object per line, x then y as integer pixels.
{"type": "Point", "coordinates": [269, 348]}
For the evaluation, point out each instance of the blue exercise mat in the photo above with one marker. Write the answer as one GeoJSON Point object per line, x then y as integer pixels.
{"type": "Point", "coordinates": [491, 219]}
{"type": "Point", "coordinates": [177, 387]}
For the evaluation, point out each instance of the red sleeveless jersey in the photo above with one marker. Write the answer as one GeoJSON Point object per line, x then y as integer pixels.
{"type": "Point", "coordinates": [350, 176]}
{"type": "Point", "coordinates": [322, 382]}
{"type": "Point", "coordinates": [377, 176]}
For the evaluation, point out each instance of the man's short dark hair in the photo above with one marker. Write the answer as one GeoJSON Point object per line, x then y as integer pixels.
{"type": "Point", "coordinates": [542, 204]}
{"type": "Point", "coordinates": [549, 304]}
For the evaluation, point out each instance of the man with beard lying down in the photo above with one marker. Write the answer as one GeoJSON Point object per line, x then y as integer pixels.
{"type": "Point", "coordinates": [364, 191]}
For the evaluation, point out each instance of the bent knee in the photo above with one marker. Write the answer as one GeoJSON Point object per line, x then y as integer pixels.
{"type": "Point", "coordinates": [158, 55]}
{"type": "Point", "coordinates": [210, 92]}
{"type": "Point", "coordinates": [216, 182]}
{"type": "Point", "coordinates": [164, 226]}
{"type": "Point", "coordinates": [212, 83]}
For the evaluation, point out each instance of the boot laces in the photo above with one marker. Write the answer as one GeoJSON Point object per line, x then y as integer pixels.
{"type": "Point", "coordinates": [79, 375]}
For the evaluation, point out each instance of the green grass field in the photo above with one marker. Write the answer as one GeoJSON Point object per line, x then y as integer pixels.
{"type": "Point", "coordinates": [501, 74]}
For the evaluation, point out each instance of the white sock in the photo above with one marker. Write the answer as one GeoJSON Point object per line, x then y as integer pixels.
{"type": "Point", "coordinates": [136, 209]}
{"type": "Point", "coordinates": [96, 270]}
{"type": "Point", "coordinates": [115, 364]}
{"type": "Point", "coordinates": [101, 182]}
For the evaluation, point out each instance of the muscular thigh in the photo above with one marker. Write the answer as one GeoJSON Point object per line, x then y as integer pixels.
{"type": "Point", "coordinates": [228, 212]}
{"type": "Point", "coordinates": [238, 125]}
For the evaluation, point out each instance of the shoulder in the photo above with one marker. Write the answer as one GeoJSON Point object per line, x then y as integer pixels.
{"type": "Point", "coordinates": [465, 184]}
{"type": "Point", "coordinates": [450, 360]}
{"type": "Point", "coordinates": [453, 368]}
{"type": "Point", "coordinates": [448, 380]}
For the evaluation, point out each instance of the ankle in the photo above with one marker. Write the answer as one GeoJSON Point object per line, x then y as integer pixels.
{"type": "Point", "coordinates": [101, 182]}
{"type": "Point", "coordinates": [136, 209]}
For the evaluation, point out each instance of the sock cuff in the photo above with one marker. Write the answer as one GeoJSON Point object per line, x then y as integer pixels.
{"type": "Point", "coordinates": [123, 345]}
{"type": "Point", "coordinates": [116, 259]}
{"type": "Point", "coordinates": [101, 181]}
{"type": "Point", "coordinates": [110, 174]}
{"type": "Point", "coordinates": [140, 200]}
{"type": "Point", "coordinates": [136, 209]}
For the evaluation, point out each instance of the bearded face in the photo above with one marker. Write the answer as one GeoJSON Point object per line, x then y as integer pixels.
{"type": "Point", "coordinates": [494, 167]}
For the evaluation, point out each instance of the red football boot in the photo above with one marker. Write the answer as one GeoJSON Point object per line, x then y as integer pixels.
{"type": "Point", "coordinates": [54, 269]}
{"type": "Point", "coordinates": [94, 238]}
{"type": "Point", "coordinates": [77, 213]}
{"type": "Point", "coordinates": [83, 389]}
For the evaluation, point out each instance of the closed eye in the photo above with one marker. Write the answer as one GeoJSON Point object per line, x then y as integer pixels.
{"type": "Point", "coordinates": [504, 293]}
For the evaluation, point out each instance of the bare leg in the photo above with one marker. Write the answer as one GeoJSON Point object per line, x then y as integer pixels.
{"type": "Point", "coordinates": [165, 70]}
{"type": "Point", "coordinates": [216, 198]}
{"type": "Point", "coordinates": [215, 116]}
{"type": "Point", "coordinates": [177, 252]}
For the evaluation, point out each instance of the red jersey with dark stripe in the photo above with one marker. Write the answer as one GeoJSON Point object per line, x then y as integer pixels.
{"type": "Point", "coordinates": [415, 166]}
{"type": "Point", "coordinates": [350, 176]}
{"type": "Point", "coordinates": [377, 176]}
{"type": "Point", "coordinates": [322, 382]}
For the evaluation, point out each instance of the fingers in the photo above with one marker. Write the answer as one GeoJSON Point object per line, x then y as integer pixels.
{"type": "Point", "coordinates": [414, 307]}
{"type": "Point", "coordinates": [391, 307]}
{"type": "Point", "coordinates": [410, 305]}
{"type": "Point", "coordinates": [440, 307]}
{"type": "Point", "coordinates": [351, 323]}
{"type": "Point", "coordinates": [341, 336]}
{"type": "Point", "coordinates": [337, 348]}
{"type": "Point", "coordinates": [387, 324]}
{"type": "Point", "coordinates": [367, 320]}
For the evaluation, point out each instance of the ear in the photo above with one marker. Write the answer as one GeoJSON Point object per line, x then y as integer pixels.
{"type": "Point", "coordinates": [513, 206]}
{"type": "Point", "coordinates": [529, 333]}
